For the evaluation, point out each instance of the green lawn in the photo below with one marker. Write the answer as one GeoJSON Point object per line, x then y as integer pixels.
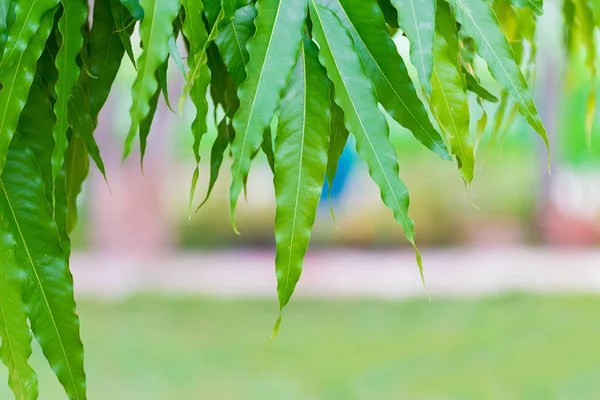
{"type": "Point", "coordinates": [511, 347]}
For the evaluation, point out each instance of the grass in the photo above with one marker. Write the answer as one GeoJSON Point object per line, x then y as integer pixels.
{"type": "Point", "coordinates": [510, 347]}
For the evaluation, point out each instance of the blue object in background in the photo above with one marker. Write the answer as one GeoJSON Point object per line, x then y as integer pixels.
{"type": "Point", "coordinates": [341, 176]}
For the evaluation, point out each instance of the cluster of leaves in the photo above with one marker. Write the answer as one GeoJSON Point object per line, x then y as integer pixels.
{"type": "Point", "coordinates": [322, 67]}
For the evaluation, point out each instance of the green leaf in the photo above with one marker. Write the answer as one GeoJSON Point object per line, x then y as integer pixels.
{"type": "Point", "coordinates": [77, 167]}
{"type": "Point", "coordinates": [568, 10]}
{"type": "Point", "coordinates": [474, 86]}
{"type": "Point", "coordinates": [536, 5]}
{"type": "Point", "coordinates": [448, 94]}
{"type": "Point", "coordinates": [387, 71]}
{"type": "Point", "coordinates": [416, 18]}
{"type": "Point", "coordinates": [72, 20]}
{"type": "Point", "coordinates": [146, 123]}
{"type": "Point", "coordinates": [28, 19]}
{"type": "Point", "coordinates": [134, 7]}
{"type": "Point", "coordinates": [16, 80]}
{"type": "Point", "coordinates": [35, 127]}
{"type": "Point", "coordinates": [584, 18]}
{"type": "Point", "coordinates": [222, 89]}
{"type": "Point", "coordinates": [354, 93]}
{"type": "Point", "coordinates": [478, 21]}
{"type": "Point", "coordinates": [338, 138]}
{"type": "Point", "coordinates": [4, 8]}
{"type": "Point", "coordinates": [83, 126]}
{"type": "Point", "coordinates": [163, 86]}
{"type": "Point", "coordinates": [301, 147]}
{"type": "Point", "coordinates": [234, 34]}
{"type": "Point", "coordinates": [273, 53]}
{"type": "Point", "coordinates": [195, 32]}
{"type": "Point", "coordinates": [155, 30]}
{"type": "Point", "coordinates": [216, 156]}
{"type": "Point", "coordinates": [390, 13]}
{"type": "Point", "coordinates": [48, 291]}
{"type": "Point", "coordinates": [124, 25]}
{"type": "Point", "coordinates": [14, 331]}
{"type": "Point", "coordinates": [106, 53]}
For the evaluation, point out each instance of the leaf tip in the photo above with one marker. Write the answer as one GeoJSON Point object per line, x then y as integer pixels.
{"type": "Point", "coordinates": [274, 333]}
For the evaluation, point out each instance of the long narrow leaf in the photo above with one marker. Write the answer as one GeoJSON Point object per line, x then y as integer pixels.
{"type": "Point", "coordinates": [301, 147]}
{"type": "Point", "coordinates": [70, 24]}
{"type": "Point", "coordinates": [448, 94]}
{"type": "Point", "coordinates": [195, 32]}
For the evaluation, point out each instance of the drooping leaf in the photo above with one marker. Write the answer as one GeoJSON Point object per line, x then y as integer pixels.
{"type": "Point", "coordinates": [195, 32]}
{"type": "Point", "coordinates": [155, 30]}
{"type": "Point", "coordinates": [448, 92]}
{"type": "Point", "coordinates": [385, 68]}
{"type": "Point", "coordinates": [48, 291]}
{"type": "Point", "coordinates": [216, 156]}
{"type": "Point", "coordinates": [146, 123]}
{"type": "Point", "coordinates": [163, 86]}
{"type": "Point", "coordinates": [124, 25]}
{"type": "Point", "coordinates": [416, 18]}
{"type": "Point", "coordinates": [134, 7]}
{"type": "Point", "coordinates": [301, 147]}
{"type": "Point", "coordinates": [83, 126]}
{"type": "Point", "coordinates": [14, 331]}
{"type": "Point", "coordinates": [273, 53]}
{"type": "Point", "coordinates": [176, 55]}
{"type": "Point", "coordinates": [70, 24]}
{"type": "Point", "coordinates": [479, 22]}
{"type": "Point", "coordinates": [106, 54]}
{"type": "Point", "coordinates": [354, 93]}
{"type": "Point", "coordinates": [16, 80]}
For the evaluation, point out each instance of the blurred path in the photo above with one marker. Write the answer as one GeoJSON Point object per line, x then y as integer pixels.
{"type": "Point", "coordinates": [343, 273]}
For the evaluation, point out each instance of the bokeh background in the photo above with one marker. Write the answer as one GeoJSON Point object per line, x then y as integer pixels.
{"type": "Point", "coordinates": [180, 308]}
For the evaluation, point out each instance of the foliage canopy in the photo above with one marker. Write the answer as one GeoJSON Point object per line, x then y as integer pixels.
{"type": "Point", "coordinates": [326, 68]}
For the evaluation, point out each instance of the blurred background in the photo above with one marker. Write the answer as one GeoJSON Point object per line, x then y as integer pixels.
{"type": "Point", "coordinates": [173, 308]}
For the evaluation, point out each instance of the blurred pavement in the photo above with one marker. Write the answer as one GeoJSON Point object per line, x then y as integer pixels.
{"type": "Point", "coordinates": [343, 273]}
